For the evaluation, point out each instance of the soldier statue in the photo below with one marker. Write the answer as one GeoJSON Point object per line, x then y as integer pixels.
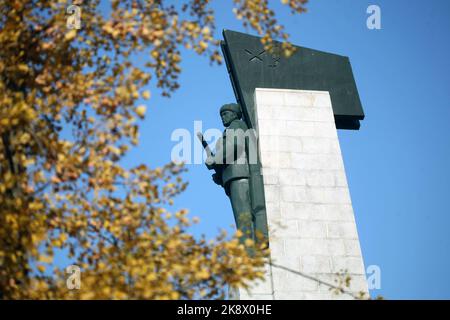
{"type": "Point", "coordinates": [231, 164]}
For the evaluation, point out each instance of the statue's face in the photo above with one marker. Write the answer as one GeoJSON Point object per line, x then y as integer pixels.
{"type": "Point", "coordinates": [227, 117]}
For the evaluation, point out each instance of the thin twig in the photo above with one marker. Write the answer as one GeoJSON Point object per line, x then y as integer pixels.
{"type": "Point", "coordinates": [315, 279]}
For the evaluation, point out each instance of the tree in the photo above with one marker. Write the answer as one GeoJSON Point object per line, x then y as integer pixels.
{"type": "Point", "coordinates": [68, 116]}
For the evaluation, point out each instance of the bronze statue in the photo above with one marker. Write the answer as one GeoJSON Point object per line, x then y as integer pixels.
{"type": "Point", "coordinates": [231, 165]}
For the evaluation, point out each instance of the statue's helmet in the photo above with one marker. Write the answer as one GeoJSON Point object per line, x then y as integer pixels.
{"type": "Point", "coordinates": [232, 107]}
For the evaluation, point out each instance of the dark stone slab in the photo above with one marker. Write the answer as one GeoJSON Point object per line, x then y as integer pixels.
{"type": "Point", "coordinates": [250, 67]}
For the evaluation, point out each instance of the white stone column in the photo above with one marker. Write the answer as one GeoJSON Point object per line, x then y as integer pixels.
{"type": "Point", "coordinates": [311, 222]}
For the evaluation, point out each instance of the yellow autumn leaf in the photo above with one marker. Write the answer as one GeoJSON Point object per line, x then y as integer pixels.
{"type": "Point", "coordinates": [203, 45]}
{"type": "Point", "coordinates": [45, 259]}
{"type": "Point", "coordinates": [155, 54]}
{"type": "Point", "coordinates": [249, 242]}
{"type": "Point", "coordinates": [23, 67]}
{"type": "Point", "coordinates": [70, 35]}
{"type": "Point", "coordinates": [41, 268]}
{"type": "Point", "coordinates": [202, 274]}
{"type": "Point", "coordinates": [146, 94]}
{"type": "Point", "coordinates": [140, 111]}
{"type": "Point", "coordinates": [63, 237]}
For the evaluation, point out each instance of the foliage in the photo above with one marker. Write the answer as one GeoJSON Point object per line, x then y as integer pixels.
{"type": "Point", "coordinates": [68, 116]}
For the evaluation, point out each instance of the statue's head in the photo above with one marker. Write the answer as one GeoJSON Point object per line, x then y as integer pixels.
{"type": "Point", "coordinates": [230, 112]}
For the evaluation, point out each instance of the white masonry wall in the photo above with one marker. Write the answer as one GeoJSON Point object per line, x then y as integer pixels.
{"type": "Point", "coordinates": [312, 228]}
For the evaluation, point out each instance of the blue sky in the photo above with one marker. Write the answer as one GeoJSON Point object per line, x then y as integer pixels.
{"type": "Point", "coordinates": [397, 164]}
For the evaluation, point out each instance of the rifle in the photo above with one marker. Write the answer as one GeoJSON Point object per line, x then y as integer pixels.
{"type": "Point", "coordinates": [204, 144]}
{"type": "Point", "coordinates": [217, 176]}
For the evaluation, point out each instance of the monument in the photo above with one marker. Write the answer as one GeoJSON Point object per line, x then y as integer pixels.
{"type": "Point", "coordinates": [295, 193]}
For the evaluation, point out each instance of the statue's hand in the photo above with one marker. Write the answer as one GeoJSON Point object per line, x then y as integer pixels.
{"type": "Point", "coordinates": [217, 179]}
{"type": "Point", "coordinates": [210, 162]}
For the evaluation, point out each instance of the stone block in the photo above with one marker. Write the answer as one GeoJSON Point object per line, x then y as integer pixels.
{"type": "Point", "coordinates": [293, 194]}
{"type": "Point", "coordinates": [312, 229]}
{"type": "Point", "coordinates": [341, 230]}
{"type": "Point", "coordinates": [292, 177]}
{"type": "Point", "coordinates": [314, 264]}
{"type": "Point", "coordinates": [269, 97]}
{"type": "Point", "coordinates": [352, 247]}
{"type": "Point", "coordinates": [353, 265]}
{"type": "Point", "coordinates": [320, 178]}
{"type": "Point", "coordinates": [317, 145]}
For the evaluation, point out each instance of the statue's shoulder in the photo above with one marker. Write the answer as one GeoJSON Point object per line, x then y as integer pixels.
{"type": "Point", "coordinates": [238, 124]}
